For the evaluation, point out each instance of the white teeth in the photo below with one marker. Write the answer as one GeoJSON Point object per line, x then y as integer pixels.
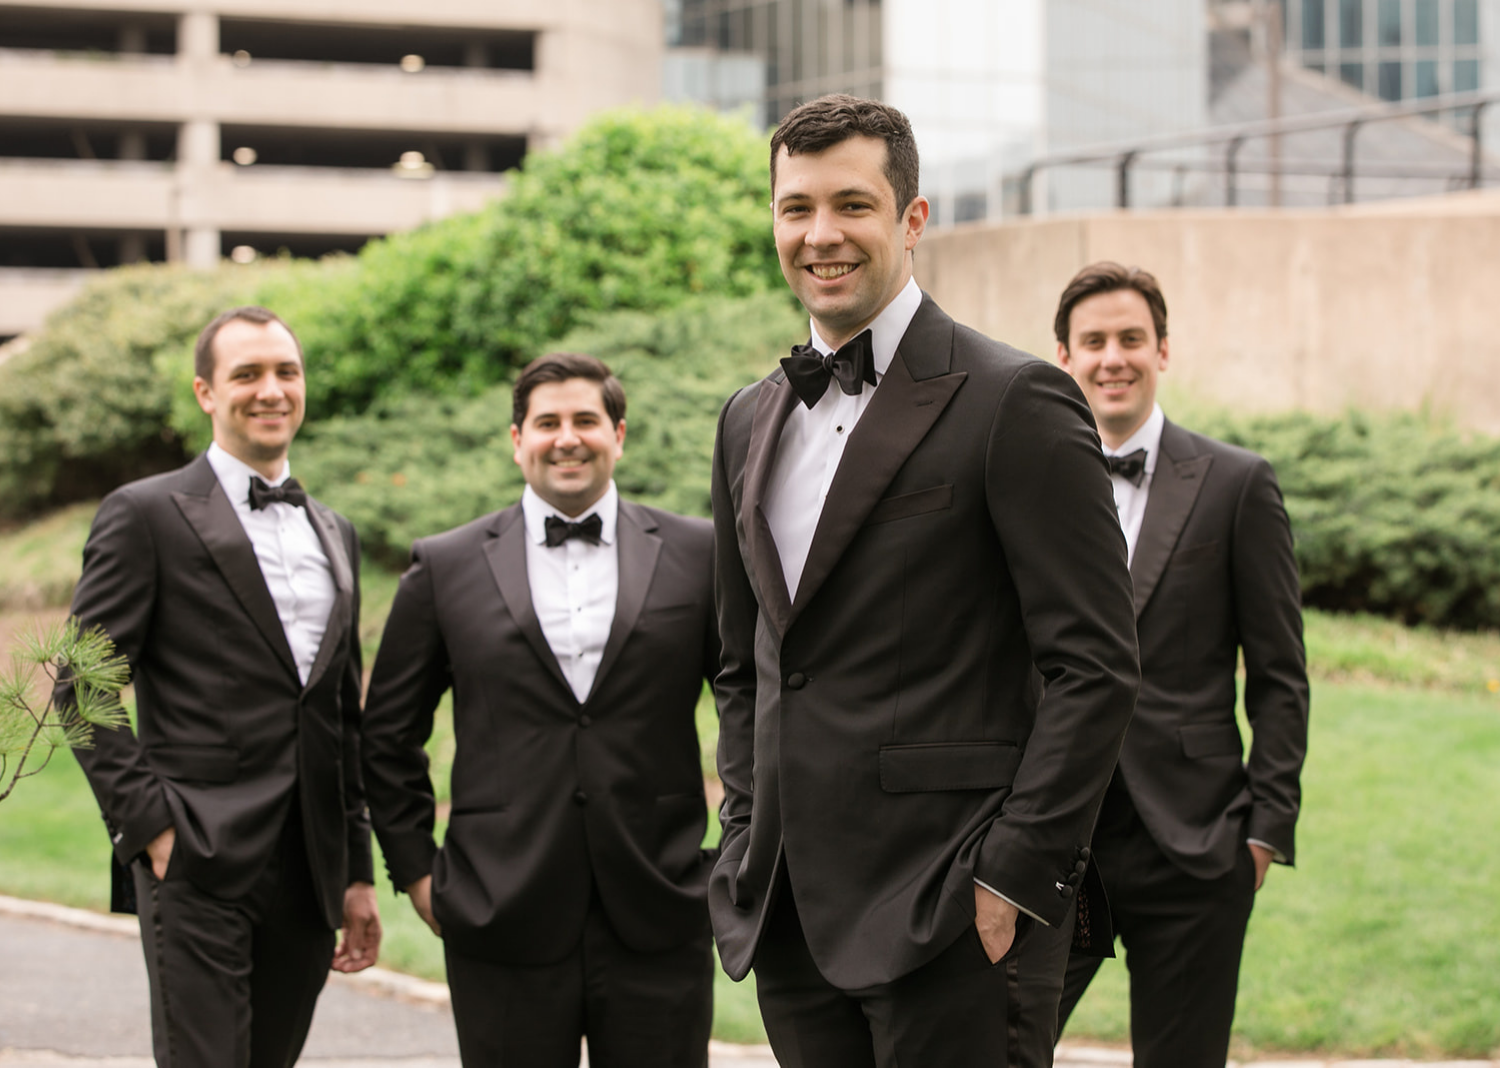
{"type": "Point", "coordinates": [833, 270]}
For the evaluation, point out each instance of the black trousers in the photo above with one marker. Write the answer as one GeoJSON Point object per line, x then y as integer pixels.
{"type": "Point", "coordinates": [637, 1010]}
{"type": "Point", "coordinates": [234, 983]}
{"type": "Point", "coordinates": [943, 1015]}
{"type": "Point", "coordinates": [1183, 939]}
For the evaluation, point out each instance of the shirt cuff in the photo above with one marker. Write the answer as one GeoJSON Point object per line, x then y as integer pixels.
{"type": "Point", "coordinates": [1277, 855]}
{"type": "Point", "coordinates": [981, 883]}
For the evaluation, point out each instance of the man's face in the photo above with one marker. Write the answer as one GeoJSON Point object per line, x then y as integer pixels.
{"type": "Point", "coordinates": [1114, 355]}
{"type": "Point", "coordinates": [257, 397]}
{"type": "Point", "coordinates": [567, 447]}
{"type": "Point", "coordinates": [844, 246]}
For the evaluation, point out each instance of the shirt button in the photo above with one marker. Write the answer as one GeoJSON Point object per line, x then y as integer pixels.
{"type": "Point", "coordinates": [580, 798]}
{"type": "Point", "coordinates": [585, 721]}
{"type": "Point", "coordinates": [796, 680]}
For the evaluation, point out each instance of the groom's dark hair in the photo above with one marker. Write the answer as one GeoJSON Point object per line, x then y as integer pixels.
{"type": "Point", "coordinates": [830, 120]}
{"type": "Point", "coordinates": [559, 367]}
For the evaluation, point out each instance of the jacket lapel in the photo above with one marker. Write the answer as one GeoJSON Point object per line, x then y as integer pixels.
{"type": "Point", "coordinates": [506, 554]}
{"type": "Point", "coordinates": [772, 407]}
{"type": "Point", "coordinates": [208, 511]}
{"type": "Point", "coordinates": [1174, 490]}
{"type": "Point", "coordinates": [916, 389]}
{"type": "Point", "coordinates": [638, 546]}
{"type": "Point", "coordinates": [339, 617]}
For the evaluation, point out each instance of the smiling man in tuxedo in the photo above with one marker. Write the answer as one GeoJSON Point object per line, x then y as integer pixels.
{"type": "Point", "coordinates": [929, 653]}
{"type": "Point", "coordinates": [1189, 826]}
{"type": "Point", "coordinates": [236, 808]}
{"type": "Point", "coordinates": [575, 630]}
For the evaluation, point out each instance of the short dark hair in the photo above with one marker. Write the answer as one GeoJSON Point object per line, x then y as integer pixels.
{"type": "Point", "coordinates": [559, 367]}
{"type": "Point", "coordinates": [1107, 276]}
{"type": "Point", "coordinates": [203, 350]}
{"type": "Point", "coordinates": [831, 120]}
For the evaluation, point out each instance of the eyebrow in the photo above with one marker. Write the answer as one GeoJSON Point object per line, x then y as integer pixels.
{"type": "Point", "coordinates": [842, 194]}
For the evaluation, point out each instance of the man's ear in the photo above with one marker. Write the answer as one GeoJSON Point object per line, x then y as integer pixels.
{"type": "Point", "coordinates": [205, 394]}
{"type": "Point", "coordinates": [1163, 354]}
{"type": "Point", "coordinates": [916, 221]}
{"type": "Point", "coordinates": [515, 441]}
{"type": "Point", "coordinates": [1064, 358]}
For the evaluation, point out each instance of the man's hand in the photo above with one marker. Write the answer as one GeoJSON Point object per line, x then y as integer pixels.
{"type": "Point", "coordinates": [996, 919]}
{"type": "Point", "coordinates": [359, 944]}
{"type": "Point", "coordinates": [1263, 858]}
{"type": "Point", "coordinates": [159, 849]}
{"type": "Point", "coordinates": [420, 893]}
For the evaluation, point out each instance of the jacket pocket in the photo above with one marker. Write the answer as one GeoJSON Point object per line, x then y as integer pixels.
{"type": "Point", "coordinates": [905, 505]}
{"type": "Point", "coordinates": [908, 769]}
{"type": "Point", "coordinates": [1209, 740]}
{"type": "Point", "coordinates": [195, 763]}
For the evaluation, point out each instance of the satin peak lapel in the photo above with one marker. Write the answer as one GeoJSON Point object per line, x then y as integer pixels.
{"type": "Point", "coordinates": [899, 416]}
{"type": "Point", "coordinates": [336, 632]}
{"type": "Point", "coordinates": [772, 406]}
{"type": "Point", "coordinates": [1174, 490]}
{"type": "Point", "coordinates": [212, 518]}
{"type": "Point", "coordinates": [638, 549]}
{"type": "Point", "coordinates": [506, 553]}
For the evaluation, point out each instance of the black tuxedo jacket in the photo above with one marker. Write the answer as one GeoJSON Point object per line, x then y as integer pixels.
{"type": "Point", "coordinates": [1214, 574]}
{"type": "Point", "coordinates": [550, 797]}
{"type": "Point", "coordinates": [884, 736]}
{"type": "Point", "coordinates": [226, 732]}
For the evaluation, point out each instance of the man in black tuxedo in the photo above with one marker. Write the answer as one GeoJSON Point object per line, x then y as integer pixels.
{"type": "Point", "coordinates": [236, 809]}
{"type": "Point", "coordinates": [929, 654]}
{"type": "Point", "coordinates": [575, 630]}
{"type": "Point", "coordinates": [1189, 827]}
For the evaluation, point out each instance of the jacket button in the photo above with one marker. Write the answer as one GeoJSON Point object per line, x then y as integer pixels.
{"type": "Point", "coordinates": [1064, 891]}
{"type": "Point", "coordinates": [585, 721]}
{"type": "Point", "coordinates": [580, 798]}
{"type": "Point", "coordinates": [796, 680]}
{"type": "Point", "coordinates": [1083, 853]}
{"type": "Point", "coordinates": [1081, 867]}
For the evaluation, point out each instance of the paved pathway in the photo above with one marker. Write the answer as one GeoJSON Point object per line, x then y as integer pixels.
{"type": "Point", "coordinates": [73, 995]}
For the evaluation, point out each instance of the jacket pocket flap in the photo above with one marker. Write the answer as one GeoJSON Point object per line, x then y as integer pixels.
{"type": "Point", "coordinates": [948, 766]}
{"type": "Point", "coordinates": [1210, 740]}
{"type": "Point", "coordinates": [902, 506]}
{"type": "Point", "coordinates": [195, 763]}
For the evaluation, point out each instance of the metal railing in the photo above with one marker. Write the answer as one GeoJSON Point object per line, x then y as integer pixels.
{"type": "Point", "coordinates": [1125, 156]}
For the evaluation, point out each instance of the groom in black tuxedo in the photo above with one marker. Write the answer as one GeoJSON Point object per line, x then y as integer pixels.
{"type": "Point", "coordinates": [236, 809]}
{"type": "Point", "coordinates": [575, 630]}
{"type": "Point", "coordinates": [1190, 824]}
{"type": "Point", "coordinates": [929, 651]}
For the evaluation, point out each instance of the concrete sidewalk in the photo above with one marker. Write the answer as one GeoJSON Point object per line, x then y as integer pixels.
{"type": "Point", "coordinates": [73, 995]}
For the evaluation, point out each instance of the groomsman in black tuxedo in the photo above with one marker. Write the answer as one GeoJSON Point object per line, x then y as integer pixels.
{"type": "Point", "coordinates": [575, 630]}
{"type": "Point", "coordinates": [236, 809]}
{"type": "Point", "coordinates": [1190, 825]}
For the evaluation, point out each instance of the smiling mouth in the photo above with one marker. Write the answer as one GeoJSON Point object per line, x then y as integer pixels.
{"type": "Point", "coordinates": [830, 271]}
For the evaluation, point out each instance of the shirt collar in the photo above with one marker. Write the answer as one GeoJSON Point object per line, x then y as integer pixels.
{"type": "Point", "coordinates": [888, 328]}
{"type": "Point", "coordinates": [235, 475]}
{"type": "Point", "coordinates": [1147, 436]}
{"type": "Point", "coordinates": [535, 510]}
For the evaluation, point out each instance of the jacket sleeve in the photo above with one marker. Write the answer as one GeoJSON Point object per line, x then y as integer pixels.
{"type": "Point", "coordinates": [1268, 615]}
{"type": "Point", "coordinates": [117, 592]}
{"type": "Point", "coordinates": [1050, 501]}
{"type": "Point", "coordinates": [356, 814]}
{"type": "Point", "coordinates": [411, 675]}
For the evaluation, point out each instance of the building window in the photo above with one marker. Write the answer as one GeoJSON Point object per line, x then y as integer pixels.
{"type": "Point", "coordinates": [1352, 74]}
{"type": "Point", "coordinates": [1390, 81]}
{"type": "Point", "coordinates": [1389, 27]}
{"type": "Point", "coordinates": [1427, 78]}
{"type": "Point", "coordinates": [1465, 75]}
{"type": "Point", "coordinates": [1312, 24]}
{"type": "Point", "coordinates": [1351, 23]}
{"type": "Point", "coordinates": [1466, 22]}
{"type": "Point", "coordinates": [1427, 24]}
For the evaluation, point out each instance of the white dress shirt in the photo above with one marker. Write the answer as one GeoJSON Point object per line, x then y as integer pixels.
{"type": "Point", "coordinates": [292, 559]}
{"type": "Point", "coordinates": [1130, 500]}
{"type": "Point", "coordinates": [812, 442]}
{"type": "Point", "coordinates": [574, 586]}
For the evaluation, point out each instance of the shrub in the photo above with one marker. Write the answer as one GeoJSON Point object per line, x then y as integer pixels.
{"type": "Point", "coordinates": [84, 408]}
{"type": "Point", "coordinates": [416, 466]}
{"type": "Point", "coordinates": [1392, 513]}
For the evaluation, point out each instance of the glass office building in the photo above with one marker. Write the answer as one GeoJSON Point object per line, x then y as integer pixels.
{"type": "Point", "coordinates": [1391, 49]}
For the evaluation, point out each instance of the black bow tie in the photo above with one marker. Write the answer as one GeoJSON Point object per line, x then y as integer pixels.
{"type": "Point", "coordinates": [560, 530]}
{"type": "Point", "coordinates": [1131, 466]}
{"type": "Point", "coordinates": [289, 492]}
{"type": "Point", "coordinates": [808, 370]}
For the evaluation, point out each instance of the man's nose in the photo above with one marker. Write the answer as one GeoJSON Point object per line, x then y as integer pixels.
{"type": "Point", "coordinates": [270, 387]}
{"type": "Point", "coordinates": [567, 435]}
{"type": "Point", "coordinates": [825, 230]}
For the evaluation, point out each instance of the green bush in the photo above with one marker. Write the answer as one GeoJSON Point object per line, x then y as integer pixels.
{"type": "Point", "coordinates": [84, 408]}
{"type": "Point", "coordinates": [419, 465]}
{"type": "Point", "coordinates": [1393, 514]}
{"type": "Point", "coordinates": [640, 210]}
